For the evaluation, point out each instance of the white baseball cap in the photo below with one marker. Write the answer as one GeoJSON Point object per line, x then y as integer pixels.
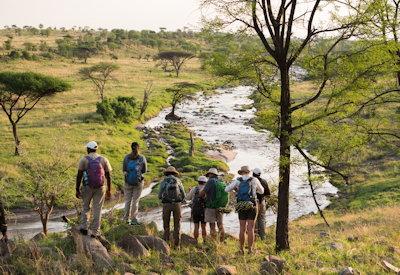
{"type": "Point", "coordinates": [257, 171]}
{"type": "Point", "coordinates": [202, 179]}
{"type": "Point", "coordinates": [92, 145]}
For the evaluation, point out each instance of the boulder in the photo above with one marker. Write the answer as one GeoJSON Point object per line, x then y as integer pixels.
{"type": "Point", "coordinates": [336, 246]}
{"type": "Point", "coordinates": [187, 240]}
{"type": "Point", "coordinates": [353, 238]}
{"type": "Point", "coordinates": [38, 237]}
{"type": "Point", "coordinates": [154, 243]}
{"type": "Point", "coordinates": [226, 270]}
{"type": "Point", "coordinates": [279, 262]}
{"type": "Point", "coordinates": [323, 234]}
{"type": "Point", "coordinates": [133, 246]}
{"type": "Point", "coordinates": [347, 271]}
{"type": "Point", "coordinates": [269, 268]}
{"type": "Point", "coordinates": [92, 249]}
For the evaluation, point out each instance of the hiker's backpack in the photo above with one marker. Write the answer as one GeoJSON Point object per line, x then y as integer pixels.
{"type": "Point", "coordinates": [221, 198]}
{"type": "Point", "coordinates": [95, 173]}
{"type": "Point", "coordinates": [198, 203]}
{"type": "Point", "coordinates": [172, 192]}
{"type": "Point", "coordinates": [244, 192]}
{"type": "Point", "coordinates": [134, 171]}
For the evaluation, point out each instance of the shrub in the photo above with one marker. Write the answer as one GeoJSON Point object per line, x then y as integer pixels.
{"type": "Point", "coordinates": [117, 109]}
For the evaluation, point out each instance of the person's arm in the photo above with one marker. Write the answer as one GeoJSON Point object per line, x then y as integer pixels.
{"type": "Point", "coordinates": [3, 224]}
{"type": "Point", "coordinates": [144, 168]}
{"type": "Point", "coordinates": [190, 195]}
{"type": "Point", "coordinates": [79, 177]}
{"type": "Point", "coordinates": [267, 192]}
{"type": "Point", "coordinates": [108, 178]}
{"type": "Point", "coordinates": [182, 190]}
{"type": "Point", "coordinates": [203, 192]}
{"type": "Point", "coordinates": [232, 186]}
{"type": "Point", "coordinates": [259, 187]}
{"type": "Point", "coordinates": [125, 166]}
{"type": "Point", "coordinates": [161, 191]}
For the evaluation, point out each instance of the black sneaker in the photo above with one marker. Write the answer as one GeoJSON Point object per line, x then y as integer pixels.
{"type": "Point", "coordinates": [83, 231]}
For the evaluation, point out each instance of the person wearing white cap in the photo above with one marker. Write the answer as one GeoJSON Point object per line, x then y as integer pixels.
{"type": "Point", "coordinates": [198, 207]}
{"type": "Point", "coordinates": [262, 204]}
{"type": "Point", "coordinates": [93, 171]}
{"type": "Point", "coordinates": [246, 188]}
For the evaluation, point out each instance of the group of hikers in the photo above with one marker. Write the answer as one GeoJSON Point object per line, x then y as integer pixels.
{"type": "Point", "coordinates": [208, 200]}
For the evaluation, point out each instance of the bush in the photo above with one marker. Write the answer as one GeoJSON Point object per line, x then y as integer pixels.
{"type": "Point", "coordinates": [117, 109]}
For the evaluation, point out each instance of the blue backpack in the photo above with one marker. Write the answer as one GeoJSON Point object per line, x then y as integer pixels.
{"type": "Point", "coordinates": [245, 191]}
{"type": "Point", "coordinates": [134, 169]}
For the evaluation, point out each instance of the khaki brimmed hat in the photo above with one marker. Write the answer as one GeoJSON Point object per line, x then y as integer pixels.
{"type": "Point", "coordinates": [171, 170]}
{"type": "Point", "coordinates": [212, 171]}
{"type": "Point", "coordinates": [202, 179]}
{"type": "Point", "coordinates": [244, 170]}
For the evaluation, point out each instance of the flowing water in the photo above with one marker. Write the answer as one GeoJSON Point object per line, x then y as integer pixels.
{"type": "Point", "coordinates": [218, 119]}
{"type": "Point", "coordinates": [221, 118]}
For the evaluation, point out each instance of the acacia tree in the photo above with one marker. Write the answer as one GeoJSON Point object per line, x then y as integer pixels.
{"type": "Point", "coordinates": [146, 98]}
{"type": "Point", "coordinates": [20, 93]}
{"type": "Point", "coordinates": [46, 184]}
{"type": "Point", "coordinates": [99, 74]}
{"type": "Point", "coordinates": [274, 23]}
{"type": "Point", "coordinates": [179, 92]}
{"type": "Point", "coordinates": [174, 58]}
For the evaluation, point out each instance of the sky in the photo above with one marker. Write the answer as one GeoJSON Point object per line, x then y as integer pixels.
{"type": "Point", "coordinates": [126, 14]}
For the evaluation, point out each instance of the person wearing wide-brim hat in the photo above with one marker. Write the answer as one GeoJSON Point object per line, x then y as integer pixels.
{"type": "Point", "coordinates": [211, 215]}
{"type": "Point", "coordinates": [172, 194]}
{"type": "Point", "coordinates": [246, 188]}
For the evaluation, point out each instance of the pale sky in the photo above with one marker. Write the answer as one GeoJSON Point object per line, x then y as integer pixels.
{"type": "Point", "coordinates": [125, 14]}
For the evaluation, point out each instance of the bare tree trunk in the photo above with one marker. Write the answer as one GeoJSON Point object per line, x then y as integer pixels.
{"type": "Point", "coordinates": [191, 149]}
{"type": "Point", "coordinates": [16, 138]}
{"type": "Point", "coordinates": [398, 72]}
{"type": "Point", "coordinates": [44, 218]}
{"type": "Point", "coordinates": [282, 226]}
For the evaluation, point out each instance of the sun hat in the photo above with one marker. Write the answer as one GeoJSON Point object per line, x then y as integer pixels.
{"type": "Point", "coordinates": [257, 171]}
{"type": "Point", "coordinates": [202, 179]}
{"type": "Point", "coordinates": [212, 171]}
{"type": "Point", "coordinates": [171, 170]}
{"type": "Point", "coordinates": [244, 170]}
{"type": "Point", "coordinates": [92, 145]}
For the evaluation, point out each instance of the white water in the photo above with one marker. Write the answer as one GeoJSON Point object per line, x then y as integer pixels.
{"type": "Point", "coordinates": [218, 119]}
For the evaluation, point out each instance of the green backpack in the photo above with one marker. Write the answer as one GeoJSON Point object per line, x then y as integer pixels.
{"type": "Point", "coordinates": [221, 197]}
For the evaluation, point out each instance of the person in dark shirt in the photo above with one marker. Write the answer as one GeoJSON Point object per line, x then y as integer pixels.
{"type": "Point", "coordinates": [262, 208]}
{"type": "Point", "coordinates": [3, 224]}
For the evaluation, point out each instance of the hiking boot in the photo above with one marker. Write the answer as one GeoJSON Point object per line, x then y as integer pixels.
{"type": "Point", "coordinates": [83, 231]}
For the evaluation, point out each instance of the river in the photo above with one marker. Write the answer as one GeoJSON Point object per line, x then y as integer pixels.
{"type": "Point", "coordinates": [217, 119]}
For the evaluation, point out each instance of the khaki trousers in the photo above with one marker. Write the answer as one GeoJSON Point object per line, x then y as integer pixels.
{"type": "Point", "coordinates": [175, 210]}
{"type": "Point", "coordinates": [94, 196]}
{"type": "Point", "coordinates": [132, 196]}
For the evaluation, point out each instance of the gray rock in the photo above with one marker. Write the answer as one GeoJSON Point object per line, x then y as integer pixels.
{"type": "Point", "coordinates": [269, 268]}
{"type": "Point", "coordinates": [187, 240]}
{"type": "Point", "coordinates": [347, 271]}
{"type": "Point", "coordinates": [279, 262]}
{"type": "Point", "coordinates": [226, 270]}
{"type": "Point", "coordinates": [155, 243]}
{"type": "Point", "coordinates": [353, 238]}
{"type": "Point", "coordinates": [133, 246]}
{"type": "Point", "coordinates": [323, 234]}
{"type": "Point", "coordinates": [336, 246]}
{"type": "Point", "coordinates": [38, 237]}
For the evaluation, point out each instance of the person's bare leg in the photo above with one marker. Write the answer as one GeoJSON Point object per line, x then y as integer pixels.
{"type": "Point", "coordinates": [242, 235]}
{"type": "Point", "coordinates": [220, 224]}
{"type": "Point", "coordinates": [213, 232]}
{"type": "Point", "coordinates": [196, 231]}
{"type": "Point", "coordinates": [250, 235]}
{"type": "Point", "coordinates": [204, 231]}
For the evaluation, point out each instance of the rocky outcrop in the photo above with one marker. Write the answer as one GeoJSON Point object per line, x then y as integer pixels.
{"type": "Point", "coordinates": [91, 248]}
{"type": "Point", "coordinates": [154, 243]}
{"type": "Point", "coordinates": [133, 246]}
{"type": "Point", "coordinates": [226, 270]}
{"type": "Point", "coordinates": [272, 265]}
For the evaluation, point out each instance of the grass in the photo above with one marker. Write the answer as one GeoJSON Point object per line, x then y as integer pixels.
{"type": "Point", "coordinates": [70, 117]}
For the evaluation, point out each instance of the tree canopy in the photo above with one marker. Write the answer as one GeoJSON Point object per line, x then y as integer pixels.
{"type": "Point", "coordinates": [175, 58]}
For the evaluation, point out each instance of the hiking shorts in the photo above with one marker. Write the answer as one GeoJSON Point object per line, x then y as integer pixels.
{"type": "Point", "coordinates": [198, 216]}
{"type": "Point", "coordinates": [250, 214]}
{"type": "Point", "coordinates": [212, 216]}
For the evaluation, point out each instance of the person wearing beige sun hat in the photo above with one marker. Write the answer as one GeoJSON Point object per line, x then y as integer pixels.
{"type": "Point", "coordinates": [246, 188]}
{"type": "Point", "coordinates": [172, 194]}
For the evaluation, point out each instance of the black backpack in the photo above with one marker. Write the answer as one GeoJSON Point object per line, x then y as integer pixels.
{"type": "Point", "coordinates": [198, 203]}
{"type": "Point", "coordinates": [172, 192]}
